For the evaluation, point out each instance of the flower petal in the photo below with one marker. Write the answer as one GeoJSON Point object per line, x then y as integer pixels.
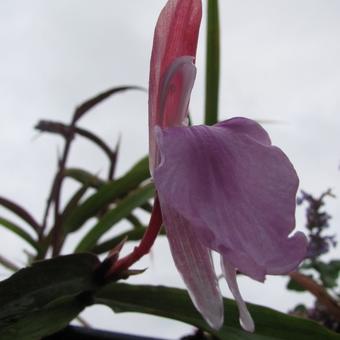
{"type": "Point", "coordinates": [193, 261]}
{"type": "Point", "coordinates": [248, 127]}
{"type": "Point", "coordinates": [229, 273]}
{"type": "Point", "coordinates": [174, 100]}
{"type": "Point", "coordinates": [176, 35]}
{"type": "Point", "coordinates": [236, 191]}
{"type": "Point", "coordinates": [175, 92]}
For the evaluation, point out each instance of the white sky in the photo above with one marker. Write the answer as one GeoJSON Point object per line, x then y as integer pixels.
{"type": "Point", "coordinates": [280, 61]}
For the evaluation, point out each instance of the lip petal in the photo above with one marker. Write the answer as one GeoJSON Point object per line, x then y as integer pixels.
{"type": "Point", "coordinates": [248, 127]}
{"type": "Point", "coordinates": [236, 190]}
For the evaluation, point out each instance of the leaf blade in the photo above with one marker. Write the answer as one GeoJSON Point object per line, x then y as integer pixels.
{"type": "Point", "coordinates": [44, 322]}
{"type": "Point", "coordinates": [21, 212]}
{"type": "Point", "coordinates": [122, 210]}
{"type": "Point", "coordinates": [212, 64]}
{"type": "Point", "coordinates": [46, 296]}
{"type": "Point", "coordinates": [92, 102]}
{"type": "Point", "coordinates": [175, 303]}
{"type": "Point", "coordinates": [14, 228]}
{"type": "Point", "coordinates": [107, 194]}
{"type": "Point", "coordinates": [84, 177]}
{"type": "Point", "coordinates": [131, 235]}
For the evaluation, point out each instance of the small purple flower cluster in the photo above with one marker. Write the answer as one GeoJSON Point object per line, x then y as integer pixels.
{"type": "Point", "coordinates": [317, 222]}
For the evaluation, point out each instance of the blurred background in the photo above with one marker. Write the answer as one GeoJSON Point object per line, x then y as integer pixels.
{"type": "Point", "coordinates": [280, 64]}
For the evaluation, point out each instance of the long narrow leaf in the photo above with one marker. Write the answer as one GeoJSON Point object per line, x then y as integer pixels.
{"type": "Point", "coordinates": [131, 235]}
{"type": "Point", "coordinates": [68, 130]}
{"type": "Point", "coordinates": [19, 231]}
{"type": "Point", "coordinates": [96, 140]}
{"type": "Point", "coordinates": [70, 206]}
{"type": "Point", "coordinates": [21, 212]}
{"type": "Point", "coordinates": [122, 210]}
{"type": "Point", "coordinates": [107, 194]}
{"type": "Point", "coordinates": [90, 103]}
{"type": "Point", "coordinates": [147, 207]}
{"type": "Point", "coordinates": [84, 177]}
{"type": "Point", "coordinates": [113, 162]}
{"type": "Point", "coordinates": [74, 201]}
{"type": "Point", "coordinates": [135, 221]}
{"type": "Point", "coordinates": [175, 304]}
{"type": "Point", "coordinates": [8, 264]}
{"type": "Point", "coordinates": [86, 333]}
{"type": "Point", "coordinates": [212, 64]}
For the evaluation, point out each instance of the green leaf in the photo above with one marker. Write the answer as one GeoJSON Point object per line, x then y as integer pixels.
{"type": "Point", "coordinates": [20, 212]}
{"type": "Point", "coordinates": [307, 264]}
{"type": "Point", "coordinates": [44, 321]}
{"type": "Point", "coordinates": [39, 300]}
{"type": "Point", "coordinates": [135, 221]}
{"type": "Point", "coordinates": [131, 235]}
{"type": "Point", "coordinates": [175, 304]}
{"type": "Point", "coordinates": [293, 285]}
{"type": "Point", "coordinates": [212, 64]}
{"type": "Point", "coordinates": [301, 308]}
{"type": "Point", "coordinates": [19, 231]}
{"type": "Point", "coordinates": [147, 207]}
{"type": "Point", "coordinates": [45, 281]}
{"type": "Point", "coordinates": [107, 194]}
{"type": "Point", "coordinates": [74, 201]}
{"type": "Point", "coordinates": [122, 210]}
{"type": "Point", "coordinates": [329, 272]}
{"type": "Point", "coordinates": [84, 177]}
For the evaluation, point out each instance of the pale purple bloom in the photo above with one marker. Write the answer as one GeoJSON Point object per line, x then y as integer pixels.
{"type": "Point", "coordinates": [224, 187]}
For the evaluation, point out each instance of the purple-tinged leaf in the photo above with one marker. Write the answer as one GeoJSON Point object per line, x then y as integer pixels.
{"type": "Point", "coordinates": [20, 212]}
{"type": "Point", "coordinates": [19, 231]}
{"type": "Point", "coordinates": [92, 102]}
{"type": "Point", "coordinates": [68, 131]}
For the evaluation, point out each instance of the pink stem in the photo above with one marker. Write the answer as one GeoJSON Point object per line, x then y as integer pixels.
{"type": "Point", "coordinates": [146, 243]}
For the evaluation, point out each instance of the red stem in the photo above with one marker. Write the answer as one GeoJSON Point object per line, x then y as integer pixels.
{"type": "Point", "coordinates": [146, 243]}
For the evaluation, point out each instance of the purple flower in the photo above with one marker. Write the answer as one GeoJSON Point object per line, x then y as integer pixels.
{"type": "Point", "coordinates": [221, 188]}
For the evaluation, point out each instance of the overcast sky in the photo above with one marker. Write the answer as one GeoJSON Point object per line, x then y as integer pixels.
{"type": "Point", "coordinates": [280, 62]}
